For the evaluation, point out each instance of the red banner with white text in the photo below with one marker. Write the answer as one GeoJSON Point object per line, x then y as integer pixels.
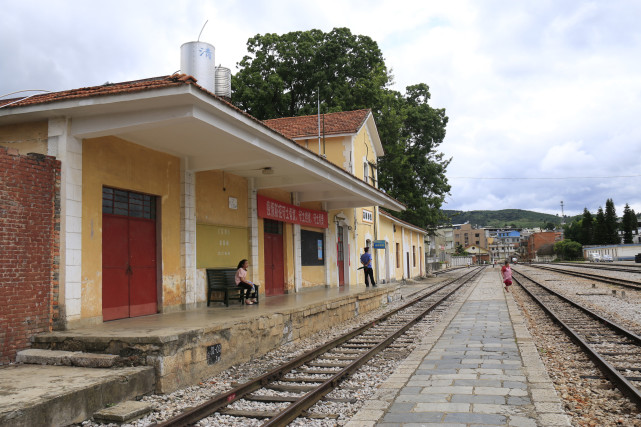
{"type": "Point", "coordinates": [280, 211]}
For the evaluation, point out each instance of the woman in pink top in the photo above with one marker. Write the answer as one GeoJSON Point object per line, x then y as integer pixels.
{"type": "Point", "coordinates": [241, 280]}
{"type": "Point", "coordinates": [506, 272]}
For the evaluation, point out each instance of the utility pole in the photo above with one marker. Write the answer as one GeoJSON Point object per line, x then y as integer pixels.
{"type": "Point", "coordinates": [562, 214]}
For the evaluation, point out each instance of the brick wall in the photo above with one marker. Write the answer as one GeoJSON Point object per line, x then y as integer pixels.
{"type": "Point", "coordinates": [29, 248]}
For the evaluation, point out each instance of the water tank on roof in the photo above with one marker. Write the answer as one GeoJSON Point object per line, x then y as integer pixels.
{"type": "Point", "coordinates": [198, 59]}
{"type": "Point", "coordinates": [223, 82]}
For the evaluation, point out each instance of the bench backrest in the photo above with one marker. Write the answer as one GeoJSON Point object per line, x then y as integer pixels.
{"type": "Point", "coordinates": [221, 277]}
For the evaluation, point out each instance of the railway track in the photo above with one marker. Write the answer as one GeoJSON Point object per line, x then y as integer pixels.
{"type": "Point", "coordinates": [611, 280]}
{"type": "Point", "coordinates": [634, 269]}
{"type": "Point", "coordinates": [614, 349]}
{"type": "Point", "coordinates": [294, 387]}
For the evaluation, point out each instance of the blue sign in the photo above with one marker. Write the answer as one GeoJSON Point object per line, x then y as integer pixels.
{"type": "Point", "coordinates": [378, 244]}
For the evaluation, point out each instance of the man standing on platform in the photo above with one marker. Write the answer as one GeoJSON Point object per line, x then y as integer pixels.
{"type": "Point", "coordinates": [366, 260]}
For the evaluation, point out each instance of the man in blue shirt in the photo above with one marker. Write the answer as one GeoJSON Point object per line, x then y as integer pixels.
{"type": "Point", "coordinates": [366, 260]}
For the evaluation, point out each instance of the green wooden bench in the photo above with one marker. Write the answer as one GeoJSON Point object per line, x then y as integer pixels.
{"type": "Point", "coordinates": [222, 281]}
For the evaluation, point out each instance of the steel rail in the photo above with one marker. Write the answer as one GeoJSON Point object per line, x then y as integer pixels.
{"type": "Point", "coordinates": [612, 373]}
{"type": "Point", "coordinates": [619, 282]}
{"type": "Point", "coordinates": [224, 399]}
{"type": "Point", "coordinates": [634, 269]}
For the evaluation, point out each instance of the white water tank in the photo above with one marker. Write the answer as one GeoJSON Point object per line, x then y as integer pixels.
{"type": "Point", "coordinates": [198, 59]}
{"type": "Point", "coordinates": [223, 82]}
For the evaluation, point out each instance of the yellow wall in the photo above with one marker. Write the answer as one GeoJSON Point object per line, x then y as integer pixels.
{"type": "Point", "coordinates": [222, 234]}
{"type": "Point", "coordinates": [113, 162]}
{"type": "Point", "coordinates": [25, 137]}
{"type": "Point", "coordinates": [335, 151]}
{"type": "Point", "coordinates": [212, 199]}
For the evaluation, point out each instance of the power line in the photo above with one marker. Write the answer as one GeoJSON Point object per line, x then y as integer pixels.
{"type": "Point", "coordinates": [546, 178]}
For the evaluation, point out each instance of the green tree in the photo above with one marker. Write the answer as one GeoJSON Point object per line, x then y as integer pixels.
{"type": "Point", "coordinates": [284, 75]}
{"type": "Point", "coordinates": [568, 249]}
{"type": "Point", "coordinates": [572, 231]}
{"type": "Point", "coordinates": [587, 228]}
{"type": "Point", "coordinates": [600, 231]}
{"type": "Point", "coordinates": [628, 224]}
{"type": "Point", "coordinates": [460, 250]}
{"type": "Point", "coordinates": [611, 224]}
{"type": "Point", "coordinates": [549, 226]}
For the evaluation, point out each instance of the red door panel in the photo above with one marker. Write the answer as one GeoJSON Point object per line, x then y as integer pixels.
{"type": "Point", "coordinates": [278, 276]}
{"type": "Point", "coordinates": [115, 280]}
{"type": "Point", "coordinates": [274, 265]}
{"type": "Point", "coordinates": [142, 261]}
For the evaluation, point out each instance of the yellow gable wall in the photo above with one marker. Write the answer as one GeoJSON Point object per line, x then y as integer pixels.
{"type": "Point", "coordinates": [113, 162]}
{"type": "Point", "coordinates": [222, 234]}
{"type": "Point", "coordinates": [25, 137]}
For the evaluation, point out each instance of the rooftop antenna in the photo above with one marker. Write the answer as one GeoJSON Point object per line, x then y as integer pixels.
{"type": "Point", "coordinates": [319, 128]}
{"type": "Point", "coordinates": [201, 30]}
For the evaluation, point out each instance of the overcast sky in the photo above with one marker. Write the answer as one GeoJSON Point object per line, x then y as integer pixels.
{"type": "Point", "coordinates": [544, 97]}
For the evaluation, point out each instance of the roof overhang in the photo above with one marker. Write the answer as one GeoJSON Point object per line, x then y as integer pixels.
{"type": "Point", "coordinates": [209, 134]}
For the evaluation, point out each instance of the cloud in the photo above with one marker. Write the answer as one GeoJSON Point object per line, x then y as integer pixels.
{"type": "Point", "coordinates": [532, 89]}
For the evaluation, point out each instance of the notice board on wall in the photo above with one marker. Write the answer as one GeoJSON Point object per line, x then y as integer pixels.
{"type": "Point", "coordinates": [312, 247]}
{"type": "Point", "coordinates": [220, 246]}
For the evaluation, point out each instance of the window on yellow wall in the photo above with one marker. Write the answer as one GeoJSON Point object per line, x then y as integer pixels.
{"type": "Point", "coordinates": [398, 256]}
{"type": "Point", "coordinates": [413, 256]}
{"type": "Point", "coordinates": [365, 172]}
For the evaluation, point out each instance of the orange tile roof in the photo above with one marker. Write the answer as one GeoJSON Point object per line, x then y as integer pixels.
{"type": "Point", "coordinates": [386, 213]}
{"type": "Point", "coordinates": [343, 122]}
{"type": "Point", "coordinates": [106, 89]}
{"type": "Point", "coordinates": [346, 122]}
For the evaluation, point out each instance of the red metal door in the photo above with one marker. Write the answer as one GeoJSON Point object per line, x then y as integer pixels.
{"type": "Point", "coordinates": [115, 262]}
{"type": "Point", "coordinates": [142, 261]}
{"type": "Point", "coordinates": [129, 286]}
{"type": "Point", "coordinates": [274, 263]}
{"type": "Point", "coordinates": [340, 252]}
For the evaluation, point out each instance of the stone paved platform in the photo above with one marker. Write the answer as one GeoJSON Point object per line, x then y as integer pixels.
{"type": "Point", "coordinates": [479, 366]}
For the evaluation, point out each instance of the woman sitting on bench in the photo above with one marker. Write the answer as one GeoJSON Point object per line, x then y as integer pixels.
{"type": "Point", "coordinates": [241, 280]}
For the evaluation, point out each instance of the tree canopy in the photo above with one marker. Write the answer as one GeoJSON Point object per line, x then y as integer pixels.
{"type": "Point", "coordinates": [285, 75]}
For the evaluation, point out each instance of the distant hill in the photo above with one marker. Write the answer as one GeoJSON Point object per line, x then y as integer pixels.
{"type": "Point", "coordinates": [517, 218]}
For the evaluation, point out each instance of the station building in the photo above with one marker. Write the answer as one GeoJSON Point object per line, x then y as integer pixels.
{"type": "Point", "coordinates": [160, 179]}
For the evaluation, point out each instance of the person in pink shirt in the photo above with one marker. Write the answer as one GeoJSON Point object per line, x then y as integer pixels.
{"type": "Point", "coordinates": [241, 280]}
{"type": "Point", "coordinates": [506, 272]}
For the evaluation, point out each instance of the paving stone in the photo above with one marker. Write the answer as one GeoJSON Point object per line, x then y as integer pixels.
{"type": "Point", "coordinates": [517, 400]}
{"type": "Point", "coordinates": [489, 399]}
{"type": "Point", "coordinates": [472, 418]}
{"type": "Point", "coordinates": [522, 422]}
{"type": "Point", "coordinates": [411, 390]}
{"type": "Point", "coordinates": [414, 417]}
{"type": "Point", "coordinates": [401, 408]}
{"type": "Point", "coordinates": [442, 407]}
{"type": "Point", "coordinates": [423, 398]}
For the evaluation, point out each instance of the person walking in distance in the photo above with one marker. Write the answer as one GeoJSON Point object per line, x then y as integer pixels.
{"type": "Point", "coordinates": [366, 260]}
{"type": "Point", "coordinates": [506, 273]}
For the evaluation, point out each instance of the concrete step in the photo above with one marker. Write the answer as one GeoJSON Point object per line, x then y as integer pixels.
{"type": "Point", "coordinates": [46, 395]}
{"type": "Point", "coordinates": [34, 356]}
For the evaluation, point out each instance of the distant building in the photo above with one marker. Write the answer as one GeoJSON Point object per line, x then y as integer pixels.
{"type": "Point", "coordinates": [536, 241]}
{"type": "Point", "coordinates": [465, 235]}
{"type": "Point", "coordinates": [503, 243]}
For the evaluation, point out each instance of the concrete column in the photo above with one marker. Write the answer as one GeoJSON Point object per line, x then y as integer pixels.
{"type": "Point", "coordinates": [298, 269]}
{"type": "Point", "coordinates": [67, 149]}
{"type": "Point", "coordinates": [329, 243]}
{"type": "Point", "coordinates": [252, 213]}
{"type": "Point", "coordinates": [188, 233]}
